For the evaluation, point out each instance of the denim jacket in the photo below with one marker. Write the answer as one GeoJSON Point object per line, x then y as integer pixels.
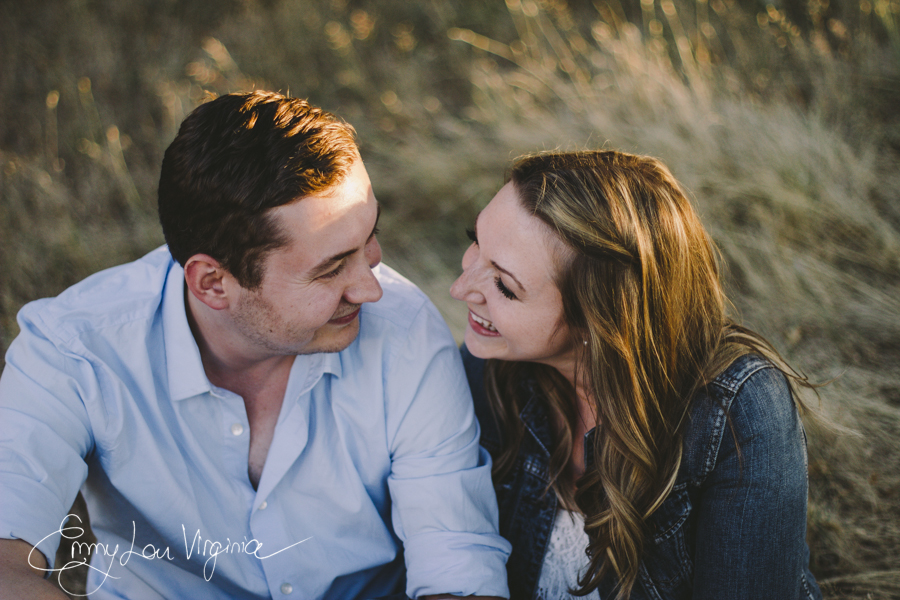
{"type": "Point", "coordinates": [733, 526]}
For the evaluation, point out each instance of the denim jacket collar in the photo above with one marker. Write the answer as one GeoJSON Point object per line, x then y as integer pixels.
{"type": "Point", "coordinates": [535, 417]}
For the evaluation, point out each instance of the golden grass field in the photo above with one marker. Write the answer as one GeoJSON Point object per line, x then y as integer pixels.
{"type": "Point", "coordinates": [782, 119]}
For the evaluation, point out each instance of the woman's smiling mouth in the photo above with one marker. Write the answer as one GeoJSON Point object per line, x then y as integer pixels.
{"type": "Point", "coordinates": [482, 326]}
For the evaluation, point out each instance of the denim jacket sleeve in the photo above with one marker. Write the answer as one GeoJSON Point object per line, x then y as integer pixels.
{"type": "Point", "coordinates": [750, 488]}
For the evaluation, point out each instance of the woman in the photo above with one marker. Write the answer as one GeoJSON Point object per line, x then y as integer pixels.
{"type": "Point", "coordinates": [644, 445]}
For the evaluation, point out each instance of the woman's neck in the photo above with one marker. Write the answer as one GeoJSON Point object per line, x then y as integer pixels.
{"type": "Point", "coordinates": [586, 411]}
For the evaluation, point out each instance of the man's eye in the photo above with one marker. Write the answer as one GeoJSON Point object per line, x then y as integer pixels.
{"type": "Point", "coordinates": [470, 233]}
{"type": "Point", "coordinates": [334, 273]}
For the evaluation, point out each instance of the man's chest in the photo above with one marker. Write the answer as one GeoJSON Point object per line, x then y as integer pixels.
{"type": "Point", "coordinates": [322, 481]}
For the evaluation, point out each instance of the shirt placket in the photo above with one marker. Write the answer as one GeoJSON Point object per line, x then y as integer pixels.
{"type": "Point", "coordinates": [235, 432]}
{"type": "Point", "coordinates": [266, 519]}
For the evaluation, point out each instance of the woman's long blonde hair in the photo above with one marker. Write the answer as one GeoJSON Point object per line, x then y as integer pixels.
{"type": "Point", "coordinates": [642, 289]}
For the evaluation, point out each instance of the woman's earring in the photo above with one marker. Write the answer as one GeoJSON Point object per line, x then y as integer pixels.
{"type": "Point", "coordinates": [585, 342]}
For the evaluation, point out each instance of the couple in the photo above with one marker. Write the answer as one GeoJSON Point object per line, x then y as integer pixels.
{"type": "Point", "coordinates": [263, 410]}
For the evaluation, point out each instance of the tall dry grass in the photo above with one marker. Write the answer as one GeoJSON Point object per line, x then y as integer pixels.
{"type": "Point", "coordinates": [782, 119]}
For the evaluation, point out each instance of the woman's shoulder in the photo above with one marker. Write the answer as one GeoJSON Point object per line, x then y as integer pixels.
{"type": "Point", "coordinates": [753, 391]}
{"type": "Point", "coordinates": [749, 402]}
{"type": "Point", "coordinates": [750, 383]}
{"type": "Point", "coordinates": [747, 371]}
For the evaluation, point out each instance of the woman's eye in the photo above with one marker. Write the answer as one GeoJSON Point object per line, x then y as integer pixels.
{"type": "Point", "coordinates": [334, 273]}
{"type": "Point", "coordinates": [470, 233]}
{"type": "Point", "coordinates": [503, 289]}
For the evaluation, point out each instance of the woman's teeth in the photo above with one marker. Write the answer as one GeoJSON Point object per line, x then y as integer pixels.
{"type": "Point", "coordinates": [483, 322]}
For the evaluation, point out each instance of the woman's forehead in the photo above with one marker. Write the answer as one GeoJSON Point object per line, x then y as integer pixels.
{"type": "Point", "coordinates": [518, 241]}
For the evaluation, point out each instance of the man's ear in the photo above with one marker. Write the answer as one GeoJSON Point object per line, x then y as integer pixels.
{"type": "Point", "coordinates": [206, 279]}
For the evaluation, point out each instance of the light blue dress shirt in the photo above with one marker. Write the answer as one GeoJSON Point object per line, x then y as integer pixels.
{"type": "Point", "coordinates": [375, 457]}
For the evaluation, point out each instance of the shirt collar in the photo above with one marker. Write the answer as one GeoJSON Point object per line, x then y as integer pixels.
{"type": "Point", "coordinates": [183, 365]}
{"type": "Point", "coordinates": [308, 369]}
{"type": "Point", "coordinates": [332, 362]}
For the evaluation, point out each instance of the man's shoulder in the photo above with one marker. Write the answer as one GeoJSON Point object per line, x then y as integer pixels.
{"type": "Point", "coordinates": [402, 301]}
{"type": "Point", "coordinates": [404, 324]}
{"type": "Point", "coordinates": [109, 298]}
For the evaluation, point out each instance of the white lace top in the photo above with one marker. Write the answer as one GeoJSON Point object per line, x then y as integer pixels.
{"type": "Point", "coordinates": [565, 559]}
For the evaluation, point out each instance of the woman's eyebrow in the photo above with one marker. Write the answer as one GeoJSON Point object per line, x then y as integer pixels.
{"type": "Point", "coordinates": [513, 277]}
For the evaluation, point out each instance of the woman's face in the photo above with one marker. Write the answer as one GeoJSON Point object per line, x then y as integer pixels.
{"type": "Point", "coordinates": [509, 285]}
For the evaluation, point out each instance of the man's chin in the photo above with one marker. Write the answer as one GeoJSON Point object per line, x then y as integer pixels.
{"type": "Point", "coordinates": [330, 342]}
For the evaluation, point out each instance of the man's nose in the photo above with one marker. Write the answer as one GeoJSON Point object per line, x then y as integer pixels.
{"type": "Point", "coordinates": [373, 252]}
{"type": "Point", "coordinates": [366, 287]}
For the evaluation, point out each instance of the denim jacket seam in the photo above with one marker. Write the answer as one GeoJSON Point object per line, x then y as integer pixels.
{"type": "Point", "coordinates": [733, 383]}
{"type": "Point", "coordinates": [648, 583]}
{"type": "Point", "coordinates": [674, 527]}
{"type": "Point", "coordinates": [724, 389]}
{"type": "Point", "coordinates": [526, 411]}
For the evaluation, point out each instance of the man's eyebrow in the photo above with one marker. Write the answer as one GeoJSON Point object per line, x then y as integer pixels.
{"type": "Point", "coordinates": [495, 265]}
{"type": "Point", "coordinates": [326, 265]}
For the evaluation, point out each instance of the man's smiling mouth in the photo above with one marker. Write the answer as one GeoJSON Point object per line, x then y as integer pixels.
{"type": "Point", "coordinates": [346, 318]}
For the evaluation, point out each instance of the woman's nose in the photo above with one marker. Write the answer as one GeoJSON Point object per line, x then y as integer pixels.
{"type": "Point", "coordinates": [465, 288]}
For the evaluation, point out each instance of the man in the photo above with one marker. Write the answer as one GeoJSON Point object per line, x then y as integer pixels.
{"type": "Point", "coordinates": [270, 414]}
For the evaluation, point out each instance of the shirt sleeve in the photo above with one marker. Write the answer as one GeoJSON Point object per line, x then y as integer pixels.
{"type": "Point", "coordinates": [443, 503]}
{"type": "Point", "coordinates": [44, 435]}
{"type": "Point", "coordinates": [751, 525]}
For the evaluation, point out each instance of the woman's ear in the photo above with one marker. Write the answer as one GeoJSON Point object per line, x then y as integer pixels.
{"type": "Point", "coordinates": [205, 278]}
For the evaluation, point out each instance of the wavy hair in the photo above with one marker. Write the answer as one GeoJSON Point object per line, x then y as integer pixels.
{"type": "Point", "coordinates": [643, 300]}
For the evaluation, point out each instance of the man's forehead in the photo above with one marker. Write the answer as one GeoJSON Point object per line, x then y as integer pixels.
{"type": "Point", "coordinates": [320, 226]}
{"type": "Point", "coordinates": [356, 179]}
{"type": "Point", "coordinates": [328, 207]}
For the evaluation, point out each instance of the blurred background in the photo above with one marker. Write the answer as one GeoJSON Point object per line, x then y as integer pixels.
{"type": "Point", "coordinates": [782, 119]}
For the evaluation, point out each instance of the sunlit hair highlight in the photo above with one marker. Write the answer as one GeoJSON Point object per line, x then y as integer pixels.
{"type": "Point", "coordinates": [642, 288]}
{"type": "Point", "coordinates": [234, 159]}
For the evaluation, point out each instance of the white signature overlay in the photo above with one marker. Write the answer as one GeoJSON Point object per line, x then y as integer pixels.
{"type": "Point", "coordinates": [210, 549]}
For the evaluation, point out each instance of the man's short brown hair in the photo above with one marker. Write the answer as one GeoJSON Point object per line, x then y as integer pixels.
{"type": "Point", "coordinates": [233, 160]}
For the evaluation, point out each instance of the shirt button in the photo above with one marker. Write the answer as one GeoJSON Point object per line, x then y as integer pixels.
{"type": "Point", "coordinates": [286, 588]}
{"type": "Point", "coordinates": [263, 507]}
{"type": "Point", "coordinates": [237, 429]}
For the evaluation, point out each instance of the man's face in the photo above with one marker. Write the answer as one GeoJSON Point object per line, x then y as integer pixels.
{"type": "Point", "coordinates": [312, 288]}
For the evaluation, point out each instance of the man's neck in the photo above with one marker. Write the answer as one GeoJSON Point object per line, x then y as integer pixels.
{"type": "Point", "coordinates": [229, 363]}
{"type": "Point", "coordinates": [259, 379]}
